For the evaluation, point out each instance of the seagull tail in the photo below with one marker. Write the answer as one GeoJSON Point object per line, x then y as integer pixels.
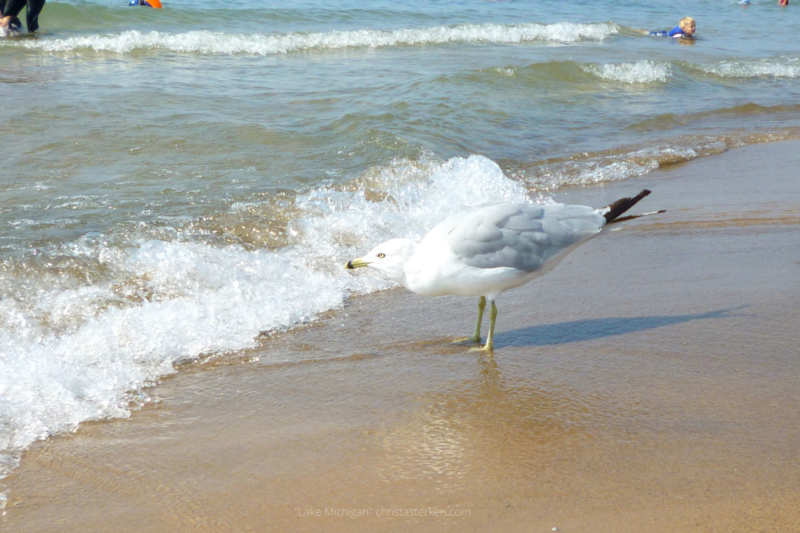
{"type": "Point", "coordinates": [612, 212]}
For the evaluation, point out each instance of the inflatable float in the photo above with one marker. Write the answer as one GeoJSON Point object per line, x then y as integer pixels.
{"type": "Point", "coordinates": [149, 3]}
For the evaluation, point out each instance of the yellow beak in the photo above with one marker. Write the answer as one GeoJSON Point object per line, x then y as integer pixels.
{"type": "Point", "coordinates": [356, 263]}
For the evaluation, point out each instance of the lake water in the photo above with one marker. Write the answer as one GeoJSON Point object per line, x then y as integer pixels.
{"type": "Point", "coordinates": [178, 183]}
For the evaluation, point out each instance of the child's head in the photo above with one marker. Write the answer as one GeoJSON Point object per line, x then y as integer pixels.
{"type": "Point", "coordinates": [9, 26]}
{"type": "Point", "coordinates": [688, 25]}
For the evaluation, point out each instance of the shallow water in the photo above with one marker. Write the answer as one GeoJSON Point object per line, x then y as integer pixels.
{"type": "Point", "coordinates": [648, 380]}
{"type": "Point", "coordinates": [177, 182]}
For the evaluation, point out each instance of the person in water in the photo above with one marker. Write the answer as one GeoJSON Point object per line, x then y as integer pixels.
{"type": "Point", "coordinates": [9, 9]}
{"type": "Point", "coordinates": [149, 3]}
{"type": "Point", "coordinates": [783, 2]}
{"type": "Point", "coordinates": [685, 29]}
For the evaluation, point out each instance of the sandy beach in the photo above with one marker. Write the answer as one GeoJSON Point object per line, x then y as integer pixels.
{"type": "Point", "coordinates": [647, 384]}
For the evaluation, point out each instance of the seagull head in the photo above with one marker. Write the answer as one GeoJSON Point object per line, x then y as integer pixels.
{"type": "Point", "coordinates": [388, 258]}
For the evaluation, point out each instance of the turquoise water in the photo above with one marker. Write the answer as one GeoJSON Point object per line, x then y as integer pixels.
{"type": "Point", "coordinates": [176, 182]}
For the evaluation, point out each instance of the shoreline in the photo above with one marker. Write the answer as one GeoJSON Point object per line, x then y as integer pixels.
{"type": "Point", "coordinates": [647, 381]}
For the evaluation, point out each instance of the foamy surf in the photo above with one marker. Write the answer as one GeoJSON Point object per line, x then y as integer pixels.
{"type": "Point", "coordinates": [84, 348]}
{"type": "Point", "coordinates": [206, 42]}
{"type": "Point", "coordinates": [640, 72]}
{"type": "Point", "coordinates": [757, 68]}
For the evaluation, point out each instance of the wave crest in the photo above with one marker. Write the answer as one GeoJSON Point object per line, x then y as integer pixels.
{"type": "Point", "coordinates": [633, 73]}
{"type": "Point", "coordinates": [774, 68]}
{"type": "Point", "coordinates": [207, 42]}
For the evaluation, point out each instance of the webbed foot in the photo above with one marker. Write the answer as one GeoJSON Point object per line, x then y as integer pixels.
{"type": "Point", "coordinates": [467, 340]}
{"type": "Point", "coordinates": [488, 348]}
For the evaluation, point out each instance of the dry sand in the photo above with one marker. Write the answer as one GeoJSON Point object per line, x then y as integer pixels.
{"type": "Point", "coordinates": [648, 384]}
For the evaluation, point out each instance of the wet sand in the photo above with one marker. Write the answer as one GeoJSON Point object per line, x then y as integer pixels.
{"type": "Point", "coordinates": [647, 384]}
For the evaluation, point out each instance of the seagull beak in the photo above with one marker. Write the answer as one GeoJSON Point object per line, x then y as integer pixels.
{"type": "Point", "coordinates": [356, 263]}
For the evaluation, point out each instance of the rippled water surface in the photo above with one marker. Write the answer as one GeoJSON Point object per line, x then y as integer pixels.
{"type": "Point", "coordinates": [176, 182]}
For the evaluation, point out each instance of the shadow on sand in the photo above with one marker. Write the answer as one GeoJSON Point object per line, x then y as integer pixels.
{"type": "Point", "coordinates": [585, 330]}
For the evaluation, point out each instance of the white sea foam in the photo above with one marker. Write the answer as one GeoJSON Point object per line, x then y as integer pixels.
{"type": "Point", "coordinates": [5, 31]}
{"type": "Point", "coordinates": [78, 352]}
{"type": "Point", "coordinates": [775, 68]}
{"type": "Point", "coordinates": [225, 43]}
{"type": "Point", "coordinates": [634, 73]}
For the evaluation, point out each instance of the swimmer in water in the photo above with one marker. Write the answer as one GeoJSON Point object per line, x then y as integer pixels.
{"type": "Point", "coordinates": [9, 11]}
{"type": "Point", "coordinates": [149, 3]}
{"type": "Point", "coordinates": [685, 29]}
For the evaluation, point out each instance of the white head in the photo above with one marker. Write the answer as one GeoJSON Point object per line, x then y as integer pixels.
{"type": "Point", "coordinates": [388, 258]}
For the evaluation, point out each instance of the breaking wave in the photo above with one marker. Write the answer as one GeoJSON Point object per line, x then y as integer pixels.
{"type": "Point", "coordinates": [207, 42]}
{"type": "Point", "coordinates": [633, 73]}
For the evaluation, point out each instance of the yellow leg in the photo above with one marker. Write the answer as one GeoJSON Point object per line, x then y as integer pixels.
{"type": "Point", "coordinates": [477, 337]}
{"type": "Point", "coordinates": [490, 339]}
{"type": "Point", "coordinates": [481, 307]}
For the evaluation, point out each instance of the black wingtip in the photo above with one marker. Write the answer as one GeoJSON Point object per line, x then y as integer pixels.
{"type": "Point", "coordinates": [622, 205]}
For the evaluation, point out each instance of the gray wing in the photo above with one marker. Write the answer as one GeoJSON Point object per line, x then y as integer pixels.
{"type": "Point", "coordinates": [521, 236]}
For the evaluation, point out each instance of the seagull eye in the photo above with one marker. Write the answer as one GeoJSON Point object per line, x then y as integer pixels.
{"type": "Point", "coordinates": [381, 256]}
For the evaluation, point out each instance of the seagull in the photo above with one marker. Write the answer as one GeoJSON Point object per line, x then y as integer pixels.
{"type": "Point", "coordinates": [491, 248]}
